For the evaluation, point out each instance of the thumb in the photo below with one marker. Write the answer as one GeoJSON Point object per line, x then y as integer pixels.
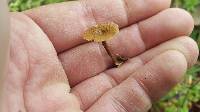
{"type": "Point", "coordinates": [44, 85]}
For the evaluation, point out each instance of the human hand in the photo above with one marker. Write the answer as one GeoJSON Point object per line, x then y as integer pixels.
{"type": "Point", "coordinates": [48, 51]}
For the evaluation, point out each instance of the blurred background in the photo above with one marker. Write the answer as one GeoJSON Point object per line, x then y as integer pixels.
{"type": "Point", "coordinates": [185, 97]}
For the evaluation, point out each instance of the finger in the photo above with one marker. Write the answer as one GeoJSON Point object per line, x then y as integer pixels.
{"type": "Point", "coordinates": [91, 89]}
{"type": "Point", "coordinates": [144, 86]}
{"type": "Point", "coordinates": [186, 45]}
{"type": "Point", "coordinates": [151, 32]}
{"type": "Point", "coordinates": [65, 23]}
{"type": "Point", "coordinates": [85, 61]}
{"type": "Point", "coordinates": [130, 42]}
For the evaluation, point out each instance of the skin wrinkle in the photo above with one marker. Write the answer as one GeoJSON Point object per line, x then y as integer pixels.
{"type": "Point", "coordinates": [141, 36]}
{"type": "Point", "coordinates": [113, 79]}
{"type": "Point", "coordinates": [146, 90]}
{"type": "Point", "coordinates": [79, 97]}
{"type": "Point", "coordinates": [12, 88]}
{"type": "Point", "coordinates": [113, 84]}
{"type": "Point", "coordinates": [28, 72]}
{"type": "Point", "coordinates": [121, 102]}
{"type": "Point", "coordinates": [88, 11]}
{"type": "Point", "coordinates": [190, 48]}
{"type": "Point", "coordinates": [126, 8]}
{"type": "Point", "coordinates": [12, 54]}
{"type": "Point", "coordinates": [148, 100]}
{"type": "Point", "coordinates": [27, 69]}
{"type": "Point", "coordinates": [136, 60]}
{"type": "Point", "coordinates": [118, 105]}
{"type": "Point", "coordinates": [30, 59]}
{"type": "Point", "coordinates": [138, 104]}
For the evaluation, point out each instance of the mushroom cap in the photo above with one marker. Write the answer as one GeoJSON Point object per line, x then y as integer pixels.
{"type": "Point", "coordinates": [101, 32]}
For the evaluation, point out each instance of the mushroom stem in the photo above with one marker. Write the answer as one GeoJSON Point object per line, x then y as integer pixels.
{"type": "Point", "coordinates": [117, 59]}
{"type": "Point", "coordinates": [108, 51]}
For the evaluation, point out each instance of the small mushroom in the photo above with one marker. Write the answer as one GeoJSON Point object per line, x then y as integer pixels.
{"type": "Point", "coordinates": [101, 33]}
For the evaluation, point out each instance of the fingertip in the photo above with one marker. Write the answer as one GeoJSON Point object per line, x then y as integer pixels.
{"type": "Point", "coordinates": [184, 23]}
{"type": "Point", "coordinates": [162, 73]}
{"type": "Point", "coordinates": [191, 51]}
{"type": "Point", "coordinates": [174, 64]}
{"type": "Point", "coordinates": [168, 24]}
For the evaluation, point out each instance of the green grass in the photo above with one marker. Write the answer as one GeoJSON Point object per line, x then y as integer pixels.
{"type": "Point", "coordinates": [184, 97]}
{"type": "Point", "coordinates": [189, 5]}
{"type": "Point", "coordinates": [20, 5]}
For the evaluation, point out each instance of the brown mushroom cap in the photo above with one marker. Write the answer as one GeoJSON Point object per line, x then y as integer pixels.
{"type": "Point", "coordinates": [101, 32]}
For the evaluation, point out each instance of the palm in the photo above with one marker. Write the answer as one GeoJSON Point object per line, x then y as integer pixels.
{"type": "Point", "coordinates": [37, 77]}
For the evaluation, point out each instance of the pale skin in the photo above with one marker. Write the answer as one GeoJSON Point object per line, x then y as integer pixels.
{"type": "Point", "coordinates": [52, 69]}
